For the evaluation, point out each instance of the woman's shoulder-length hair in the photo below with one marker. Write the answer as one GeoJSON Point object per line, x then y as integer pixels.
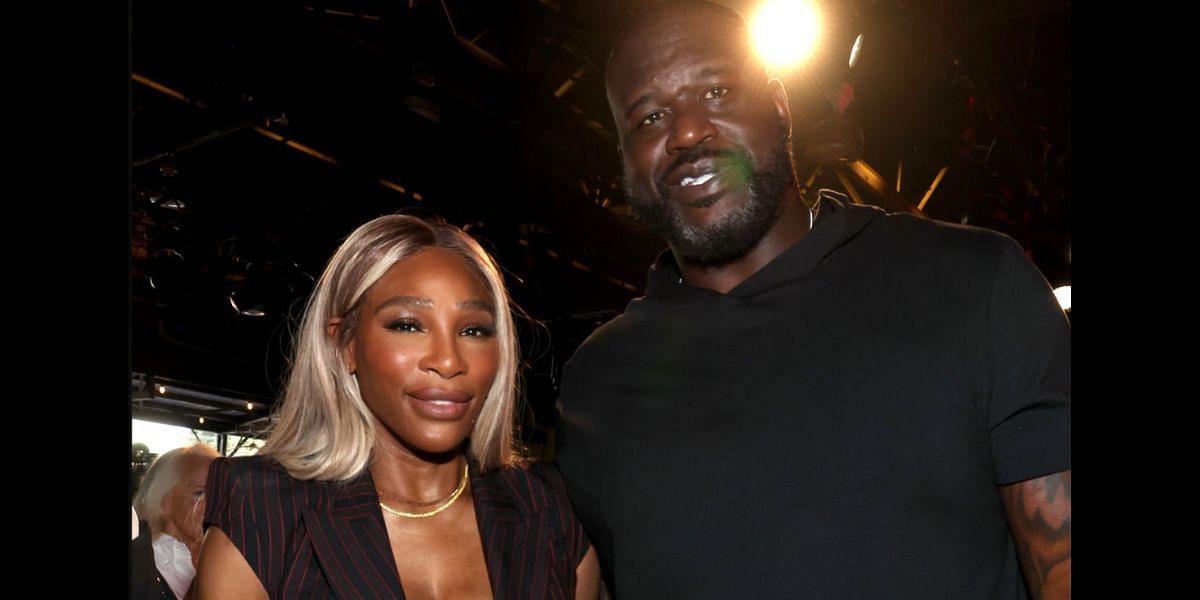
{"type": "Point", "coordinates": [322, 429]}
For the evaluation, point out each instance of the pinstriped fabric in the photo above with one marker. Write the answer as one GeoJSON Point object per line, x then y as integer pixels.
{"type": "Point", "coordinates": [303, 539]}
{"type": "Point", "coordinates": [533, 542]}
{"type": "Point", "coordinates": [309, 539]}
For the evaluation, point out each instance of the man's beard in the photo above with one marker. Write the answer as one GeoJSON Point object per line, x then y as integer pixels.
{"type": "Point", "coordinates": [735, 233]}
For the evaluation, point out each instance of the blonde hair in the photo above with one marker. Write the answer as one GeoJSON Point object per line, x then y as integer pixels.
{"type": "Point", "coordinates": [322, 428]}
{"type": "Point", "coordinates": [162, 477]}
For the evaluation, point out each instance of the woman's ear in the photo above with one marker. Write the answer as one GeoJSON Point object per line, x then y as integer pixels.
{"type": "Point", "coordinates": [333, 329]}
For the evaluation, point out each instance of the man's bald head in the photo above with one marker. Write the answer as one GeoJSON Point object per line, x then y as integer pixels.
{"type": "Point", "coordinates": [673, 17]}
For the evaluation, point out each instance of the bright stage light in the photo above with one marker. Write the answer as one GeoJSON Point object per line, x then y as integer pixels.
{"type": "Point", "coordinates": [785, 32]}
{"type": "Point", "coordinates": [1063, 294]}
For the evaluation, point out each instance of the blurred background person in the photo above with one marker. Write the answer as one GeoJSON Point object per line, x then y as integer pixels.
{"type": "Point", "coordinates": [170, 503]}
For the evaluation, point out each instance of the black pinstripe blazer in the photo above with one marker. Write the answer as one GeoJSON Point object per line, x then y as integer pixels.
{"type": "Point", "coordinates": [310, 539]}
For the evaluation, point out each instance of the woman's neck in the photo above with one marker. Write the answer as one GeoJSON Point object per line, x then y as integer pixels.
{"type": "Point", "coordinates": [402, 477]}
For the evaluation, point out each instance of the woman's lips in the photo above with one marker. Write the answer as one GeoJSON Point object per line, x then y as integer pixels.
{"type": "Point", "coordinates": [440, 404]}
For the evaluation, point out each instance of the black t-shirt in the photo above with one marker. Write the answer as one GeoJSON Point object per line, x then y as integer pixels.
{"type": "Point", "coordinates": [834, 427]}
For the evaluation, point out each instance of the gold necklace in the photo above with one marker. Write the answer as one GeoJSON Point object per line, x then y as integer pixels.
{"type": "Point", "coordinates": [422, 504]}
{"type": "Point", "coordinates": [462, 485]}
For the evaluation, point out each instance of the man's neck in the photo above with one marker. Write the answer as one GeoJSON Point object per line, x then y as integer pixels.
{"type": "Point", "coordinates": [792, 225]}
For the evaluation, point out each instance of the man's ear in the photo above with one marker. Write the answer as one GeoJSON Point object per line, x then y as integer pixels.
{"type": "Point", "coordinates": [783, 108]}
{"type": "Point", "coordinates": [333, 329]}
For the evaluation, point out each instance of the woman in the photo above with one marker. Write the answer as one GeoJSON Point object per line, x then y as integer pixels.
{"type": "Point", "coordinates": [171, 501]}
{"type": "Point", "coordinates": [391, 470]}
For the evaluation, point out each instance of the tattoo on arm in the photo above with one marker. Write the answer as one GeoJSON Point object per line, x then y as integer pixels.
{"type": "Point", "coordinates": [1039, 515]}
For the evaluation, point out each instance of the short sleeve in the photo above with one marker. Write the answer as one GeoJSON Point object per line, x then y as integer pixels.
{"type": "Point", "coordinates": [230, 505]}
{"type": "Point", "coordinates": [1029, 412]}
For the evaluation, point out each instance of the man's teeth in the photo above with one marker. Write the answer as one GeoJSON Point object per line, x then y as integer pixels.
{"type": "Point", "coordinates": [686, 181]}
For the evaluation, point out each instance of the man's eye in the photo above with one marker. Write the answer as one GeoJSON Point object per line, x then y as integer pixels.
{"type": "Point", "coordinates": [716, 92]}
{"type": "Point", "coordinates": [651, 118]}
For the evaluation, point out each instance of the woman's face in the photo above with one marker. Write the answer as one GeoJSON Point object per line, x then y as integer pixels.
{"type": "Point", "coordinates": [425, 352]}
{"type": "Point", "coordinates": [185, 503]}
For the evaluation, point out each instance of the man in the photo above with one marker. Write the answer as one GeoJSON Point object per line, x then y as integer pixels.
{"type": "Point", "coordinates": [845, 404]}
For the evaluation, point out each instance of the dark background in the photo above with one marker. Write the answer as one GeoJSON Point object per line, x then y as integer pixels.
{"type": "Point", "coordinates": [264, 132]}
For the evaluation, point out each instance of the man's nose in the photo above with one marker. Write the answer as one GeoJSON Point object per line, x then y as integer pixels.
{"type": "Point", "coordinates": [689, 128]}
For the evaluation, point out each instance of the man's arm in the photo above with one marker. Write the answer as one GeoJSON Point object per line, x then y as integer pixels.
{"type": "Point", "coordinates": [1039, 515]}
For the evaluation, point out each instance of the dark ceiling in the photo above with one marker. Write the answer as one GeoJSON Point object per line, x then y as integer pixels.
{"type": "Point", "coordinates": [264, 132]}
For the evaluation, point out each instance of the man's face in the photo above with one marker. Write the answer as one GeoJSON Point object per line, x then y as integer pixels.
{"type": "Point", "coordinates": [703, 134]}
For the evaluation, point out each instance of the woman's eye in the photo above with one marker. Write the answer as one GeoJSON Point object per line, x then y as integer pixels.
{"type": "Point", "coordinates": [404, 325]}
{"type": "Point", "coordinates": [479, 331]}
